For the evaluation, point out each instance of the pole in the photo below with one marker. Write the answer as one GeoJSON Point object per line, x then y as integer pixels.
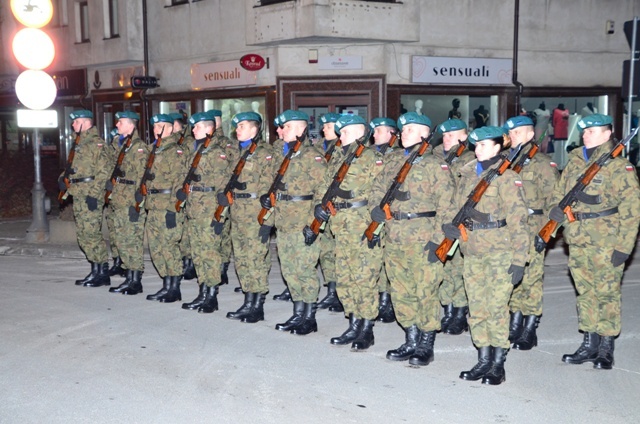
{"type": "Point", "coordinates": [627, 130]}
{"type": "Point", "coordinates": [38, 231]}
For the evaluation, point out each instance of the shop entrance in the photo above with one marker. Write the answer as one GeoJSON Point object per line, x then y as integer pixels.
{"type": "Point", "coordinates": [317, 105]}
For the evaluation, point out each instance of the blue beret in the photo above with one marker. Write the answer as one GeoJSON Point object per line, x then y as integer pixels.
{"type": "Point", "coordinates": [113, 133]}
{"type": "Point", "coordinates": [413, 118]}
{"type": "Point", "coordinates": [595, 120]}
{"type": "Point", "coordinates": [517, 121]}
{"type": "Point", "coordinates": [292, 115]}
{"type": "Point", "coordinates": [215, 112]}
{"type": "Point", "coordinates": [382, 122]}
{"type": "Point", "coordinates": [276, 121]}
{"type": "Point", "coordinates": [82, 113]}
{"type": "Point", "coordinates": [161, 117]}
{"type": "Point", "coordinates": [329, 117]}
{"type": "Point", "coordinates": [452, 125]}
{"type": "Point", "coordinates": [201, 116]}
{"type": "Point", "coordinates": [177, 116]}
{"type": "Point", "coordinates": [128, 114]}
{"type": "Point", "coordinates": [485, 133]}
{"type": "Point", "coordinates": [246, 116]}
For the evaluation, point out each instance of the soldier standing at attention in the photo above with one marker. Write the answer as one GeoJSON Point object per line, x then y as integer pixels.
{"type": "Point", "coordinates": [113, 150]}
{"type": "Point", "coordinates": [90, 170]}
{"type": "Point", "coordinates": [451, 292]}
{"type": "Point", "coordinates": [539, 176]}
{"type": "Point", "coordinates": [411, 237]}
{"type": "Point", "coordinates": [293, 210]}
{"type": "Point", "coordinates": [600, 239]}
{"type": "Point", "coordinates": [495, 252]}
{"type": "Point", "coordinates": [204, 232]}
{"type": "Point", "coordinates": [164, 224]}
{"type": "Point", "coordinates": [129, 224]}
{"type": "Point", "coordinates": [250, 240]}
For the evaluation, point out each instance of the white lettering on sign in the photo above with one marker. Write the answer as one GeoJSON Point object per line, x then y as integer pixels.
{"type": "Point", "coordinates": [461, 70]}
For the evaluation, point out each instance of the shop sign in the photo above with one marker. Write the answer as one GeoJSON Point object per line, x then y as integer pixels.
{"type": "Point", "coordinates": [461, 70]}
{"type": "Point", "coordinates": [252, 62]}
{"type": "Point", "coordinates": [332, 63]}
{"type": "Point", "coordinates": [47, 118]}
{"type": "Point", "coordinates": [70, 83]}
{"type": "Point", "coordinates": [220, 74]}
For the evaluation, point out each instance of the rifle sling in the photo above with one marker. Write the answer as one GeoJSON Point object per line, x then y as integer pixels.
{"type": "Point", "coordinates": [399, 216]}
{"type": "Point", "coordinates": [581, 216]}
{"type": "Point", "coordinates": [289, 198]}
{"type": "Point", "coordinates": [126, 182]}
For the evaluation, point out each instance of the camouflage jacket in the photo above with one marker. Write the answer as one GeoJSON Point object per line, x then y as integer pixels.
{"type": "Point", "coordinates": [457, 163]}
{"type": "Point", "coordinates": [168, 170]}
{"type": "Point", "coordinates": [91, 159]}
{"type": "Point", "coordinates": [135, 159]}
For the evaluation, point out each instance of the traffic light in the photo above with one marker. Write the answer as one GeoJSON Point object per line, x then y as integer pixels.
{"type": "Point", "coordinates": [144, 82]}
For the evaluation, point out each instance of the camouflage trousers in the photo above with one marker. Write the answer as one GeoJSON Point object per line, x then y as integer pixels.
{"type": "Point", "coordinates": [185, 245]}
{"type": "Point", "coordinates": [252, 258]}
{"type": "Point", "coordinates": [298, 265]}
{"type": "Point", "coordinates": [205, 250]}
{"type": "Point", "coordinates": [89, 231]}
{"type": "Point", "coordinates": [598, 284]}
{"type": "Point", "coordinates": [112, 232]}
{"type": "Point", "coordinates": [129, 238]}
{"type": "Point", "coordinates": [357, 269]}
{"type": "Point", "coordinates": [225, 243]}
{"type": "Point", "coordinates": [383, 280]}
{"type": "Point", "coordinates": [451, 291]}
{"type": "Point", "coordinates": [327, 243]}
{"type": "Point", "coordinates": [488, 288]}
{"type": "Point", "coordinates": [527, 296]}
{"type": "Point", "coordinates": [164, 243]}
{"type": "Point", "coordinates": [414, 285]}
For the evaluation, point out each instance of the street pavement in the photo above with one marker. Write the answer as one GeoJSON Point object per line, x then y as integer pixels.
{"type": "Point", "coordinates": [72, 354]}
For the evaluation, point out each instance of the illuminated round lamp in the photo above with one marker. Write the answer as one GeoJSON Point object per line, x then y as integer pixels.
{"type": "Point", "coordinates": [33, 48]}
{"type": "Point", "coordinates": [32, 13]}
{"type": "Point", "coordinates": [36, 89]}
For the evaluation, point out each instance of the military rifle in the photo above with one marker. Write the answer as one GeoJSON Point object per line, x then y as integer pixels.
{"type": "Point", "coordinates": [147, 176]}
{"type": "Point", "coordinates": [117, 172]}
{"type": "Point", "coordinates": [517, 167]}
{"type": "Point", "coordinates": [392, 141]}
{"type": "Point", "coordinates": [62, 196]}
{"type": "Point", "coordinates": [329, 152]}
{"type": "Point", "coordinates": [191, 175]}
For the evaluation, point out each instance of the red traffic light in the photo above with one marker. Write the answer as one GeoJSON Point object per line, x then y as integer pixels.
{"type": "Point", "coordinates": [144, 82]}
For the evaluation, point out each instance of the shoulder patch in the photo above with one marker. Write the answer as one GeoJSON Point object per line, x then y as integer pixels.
{"type": "Point", "coordinates": [518, 183]}
{"type": "Point", "coordinates": [140, 150]}
{"type": "Point", "coordinates": [378, 162]}
{"type": "Point", "coordinates": [444, 166]}
{"type": "Point", "coordinates": [318, 158]}
{"type": "Point", "coordinates": [223, 156]}
{"type": "Point", "coordinates": [179, 151]}
{"type": "Point", "coordinates": [268, 157]}
{"type": "Point", "coordinates": [553, 164]}
{"type": "Point", "coordinates": [629, 168]}
{"type": "Point", "coordinates": [100, 145]}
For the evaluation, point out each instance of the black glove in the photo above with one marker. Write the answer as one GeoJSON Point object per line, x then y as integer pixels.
{"type": "Point", "coordinates": [133, 214]}
{"type": "Point", "coordinates": [120, 173]}
{"type": "Point", "coordinates": [375, 241]}
{"type": "Point", "coordinates": [618, 258]}
{"type": "Point", "coordinates": [378, 215]}
{"type": "Point", "coordinates": [309, 235]}
{"type": "Point", "coordinates": [181, 195]}
{"type": "Point", "coordinates": [556, 214]}
{"type": "Point", "coordinates": [517, 272]}
{"type": "Point", "coordinates": [431, 248]}
{"type": "Point", "coordinates": [151, 176]}
{"type": "Point", "coordinates": [451, 231]}
{"type": "Point", "coordinates": [264, 233]}
{"type": "Point", "coordinates": [320, 214]}
{"type": "Point", "coordinates": [108, 185]}
{"type": "Point", "coordinates": [222, 199]}
{"type": "Point", "coordinates": [61, 185]}
{"type": "Point", "coordinates": [265, 201]}
{"type": "Point", "coordinates": [69, 170]}
{"type": "Point", "coordinates": [217, 226]}
{"type": "Point", "coordinates": [92, 203]}
{"type": "Point", "coordinates": [170, 220]}
{"type": "Point", "coordinates": [138, 196]}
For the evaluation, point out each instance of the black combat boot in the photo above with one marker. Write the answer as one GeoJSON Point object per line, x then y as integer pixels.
{"type": "Point", "coordinates": [166, 282]}
{"type": "Point", "coordinates": [135, 284]}
{"type": "Point", "coordinates": [238, 289]}
{"type": "Point", "coordinates": [308, 323]}
{"type": "Point", "coordinates": [423, 354]}
{"type": "Point", "coordinates": [365, 337]}
{"type": "Point", "coordinates": [257, 309]}
{"type": "Point", "coordinates": [336, 307]}
{"type": "Point", "coordinates": [330, 298]}
{"type": "Point", "coordinates": [125, 283]}
{"type": "Point", "coordinates": [515, 326]}
{"type": "Point", "coordinates": [188, 269]}
{"type": "Point", "coordinates": [295, 319]}
{"type": "Point", "coordinates": [224, 277]}
{"type": "Point", "coordinates": [408, 348]}
{"type": "Point", "coordinates": [197, 302]}
{"type": "Point", "coordinates": [385, 309]}
{"type": "Point", "coordinates": [244, 309]}
{"type": "Point", "coordinates": [210, 303]}
{"type": "Point", "coordinates": [528, 338]}
{"type": "Point", "coordinates": [447, 318]}
{"type": "Point", "coordinates": [91, 275]}
{"type": "Point", "coordinates": [173, 294]}
{"type": "Point", "coordinates": [604, 361]}
{"type": "Point", "coordinates": [101, 278]}
{"type": "Point", "coordinates": [496, 374]}
{"type": "Point", "coordinates": [459, 323]}
{"type": "Point", "coordinates": [350, 334]}
{"type": "Point", "coordinates": [479, 370]}
{"type": "Point", "coordinates": [587, 352]}
{"type": "Point", "coordinates": [285, 296]}
{"type": "Point", "coordinates": [117, 269]}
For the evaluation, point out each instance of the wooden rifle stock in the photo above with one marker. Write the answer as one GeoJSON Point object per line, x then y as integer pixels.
{"type": "Point", "coordinates": [62, 195]}
{"type": "Point", "coordinates": [116, 170]}
{"type": "Point", "coordinates": [186, 185]}
{"type": "Point", "coordinates": [329, 153]}
{"type": "Point", "coordinates": [147, 172]}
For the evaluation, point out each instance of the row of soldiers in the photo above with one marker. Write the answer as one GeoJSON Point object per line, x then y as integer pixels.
{"type": "Point", "coordinates": [374, 216]}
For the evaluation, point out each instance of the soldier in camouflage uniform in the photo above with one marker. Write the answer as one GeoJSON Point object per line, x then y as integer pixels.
{"type": "Point", "coordinates": [205, 232]}
{"type": "Point", "coordinates": [113, 149]}
{"type": "Point", "coordinates": [494, 254]}
{"type": "Point", "coordinates": [383, 130]}
{"type": "Point", "coordinates": [164, 224]}
{"type": "Point", "coordinates": [539, 175]}
{"type": "Point", "coordinates": [451, 292]}
{"type": "Point", "coordinates": [90, 170]}
{"type": "Point", "coordinates": [600, 239]}
{"type": "Point", "coordinates": [411, 237]}
{"type": "Point", "coordinates": [129, 224]}
{"type": "Point", "coordinates": [250, 240]}
{"type": "Point", "coordinates": [293, 210]}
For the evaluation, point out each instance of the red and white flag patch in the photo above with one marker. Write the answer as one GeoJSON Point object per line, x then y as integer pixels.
{"type": "Point", "coordinates": [444, 166]}
{"type": "Point", "coordinates": [268, 157]}
{"type": "Point", "coordinates": [223, 156]}
{"type": "Point", "coordinates": [318, 158]}
{"type": "Point", "coordinates": [629, 168]}
{"type": "Point", "coordinates": [553, 164]}
{"type": "Point", "coordinates": [518, 183]}
{"type": "Point", "coordinates": [378, 162]}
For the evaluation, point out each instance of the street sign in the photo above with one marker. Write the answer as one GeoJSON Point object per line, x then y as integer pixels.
{"type": "Point", "coordinates": [28, 118]}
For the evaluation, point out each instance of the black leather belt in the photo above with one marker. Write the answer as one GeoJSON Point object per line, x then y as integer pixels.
{"type": "Point", "coordinates": [410, 215]}
{"type": "Point", "coordinates": [581, 216]}
{"type": "Point", "coordinates": [491, 225]}
{"type": "Point", "coordinates": [349, 205]}
{"type": "Point", "coordinates": [160, 191]}
{"type": "Point", "coordinates": [126, 182]}
{"type": "Point", "coordinates": [245, 195]}
{"type": "Point", "coordinates": [81, 180]}
{"type": "Point", "coordinates": [294, 198]}
{"type": "Point", "coordinates": [202, 189]}
{"type": "Point", "coordinates": [536, 212]}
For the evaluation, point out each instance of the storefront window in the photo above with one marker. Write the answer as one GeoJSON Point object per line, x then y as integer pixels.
{"type": "Point", "coordinates": [230, 107]}
{"type": "Point", "coordinates": [476, 111]}
{"type": "Point", "coordinates": [180, 106]}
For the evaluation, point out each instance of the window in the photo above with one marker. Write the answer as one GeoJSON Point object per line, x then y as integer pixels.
{"type": "Point", "coordinates": [230, 107]}
{"type": "Point", "coordinates": [110, 13]}
{"type": "Point", "coordinates": [60, 14]}
{"type": "Point", "coordinates": [268, 2]}
{"type": "Point", "coordinates": [82, 21]}
{"type": "Point", "coordinates": [177, 2]}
